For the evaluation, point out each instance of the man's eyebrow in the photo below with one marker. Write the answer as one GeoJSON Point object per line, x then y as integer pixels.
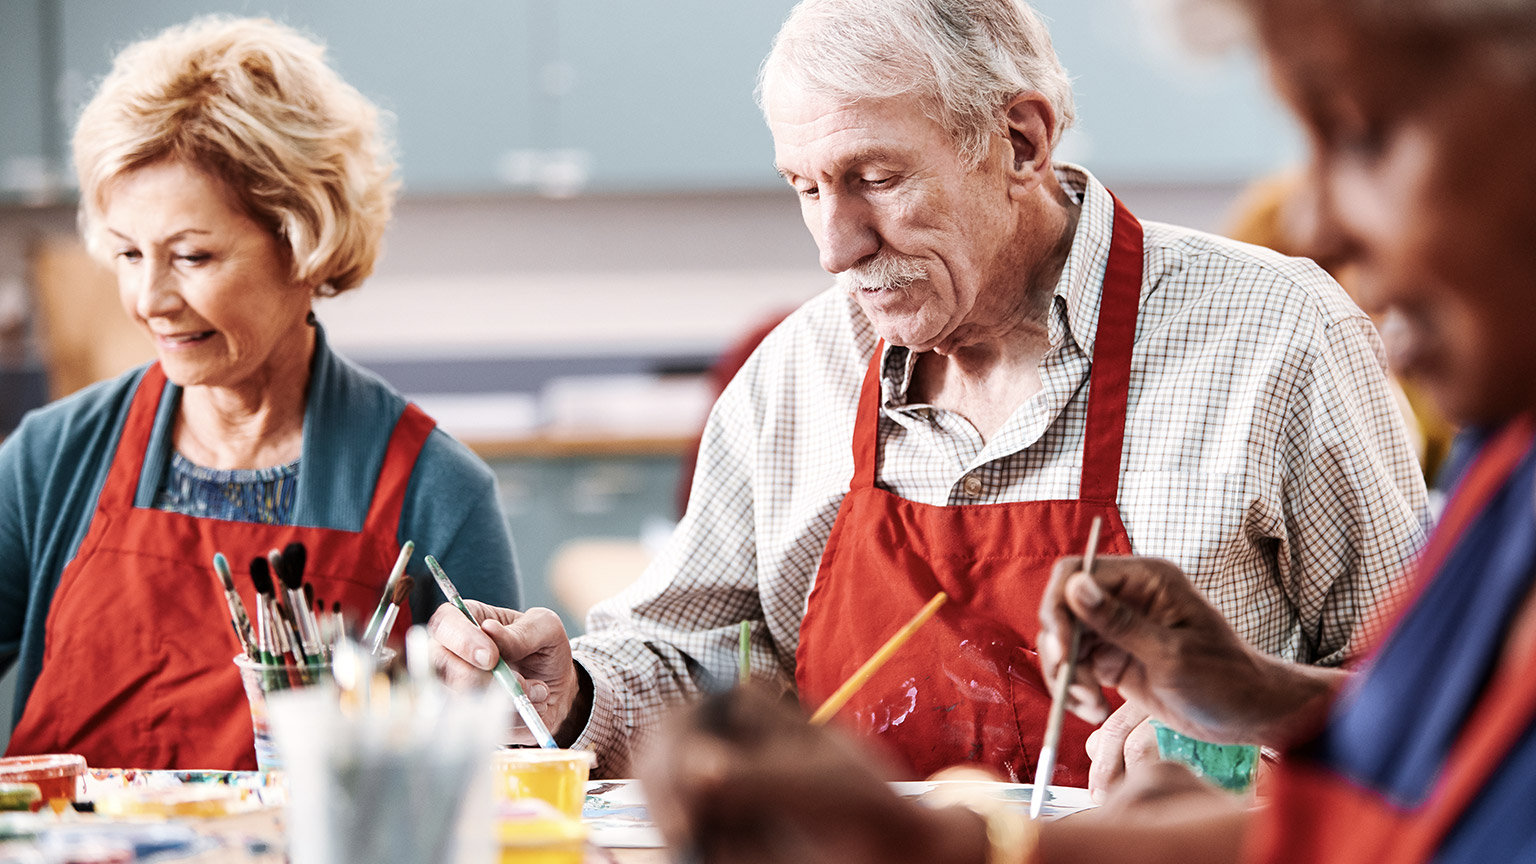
{"type": "Point", "coordinates": [856, 158]}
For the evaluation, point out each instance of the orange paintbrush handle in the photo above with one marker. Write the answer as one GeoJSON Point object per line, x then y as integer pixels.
{"type": "Point", "coordinates": [837, 700]}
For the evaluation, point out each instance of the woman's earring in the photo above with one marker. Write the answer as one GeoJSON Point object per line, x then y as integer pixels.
{"type": "Point", "coordinates": [309, 318]}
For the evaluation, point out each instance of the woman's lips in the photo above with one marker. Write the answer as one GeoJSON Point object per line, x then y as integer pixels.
{"type": "Point", "coordinates": [183, 340]}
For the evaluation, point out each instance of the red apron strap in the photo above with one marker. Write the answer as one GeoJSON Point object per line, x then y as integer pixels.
{"type": "Point", "coordinates": [122, 483]}
{"type": "Point", "coordinates": [405, 443]}
{"type": "Point", "coordinates": [866, 425]}
{"type": "Point", "coordinates": [1109, 382]}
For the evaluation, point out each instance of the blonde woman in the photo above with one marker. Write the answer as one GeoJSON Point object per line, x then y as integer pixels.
{"type": "Point", "coordinates": [230, 178]}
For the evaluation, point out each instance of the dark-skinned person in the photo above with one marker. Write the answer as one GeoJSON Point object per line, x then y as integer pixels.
{"type": "Point", "coordinates": [1422, 118]}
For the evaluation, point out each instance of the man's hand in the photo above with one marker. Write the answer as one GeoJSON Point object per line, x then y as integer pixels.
{"type": "Point", "coordinates": [743, 778]}
{"type": "Point", "coordinates": [1148, 632]}
{"type": "Point", "coordinates": [533, 643]}
{"type": "Point", "coordinates": [1125, 741]}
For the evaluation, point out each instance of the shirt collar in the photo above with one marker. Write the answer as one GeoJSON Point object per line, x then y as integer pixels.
{"type": "Point", "coordinates": [1075, 303]}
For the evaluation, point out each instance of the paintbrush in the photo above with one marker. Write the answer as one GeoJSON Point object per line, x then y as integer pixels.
{"type": "Point", "coordinates": [502, 672]}
{"type": "Point", "coordinates": [402, 593]}
{"type": "Point", "coordinates": [237, 617]}
{"type": "Point", "coordinates": [744, 654]}
{"type": "Point", "coordinates": [837, 700]}
{"type": "Point", "coordinates": [289, 567]}
{"type": "Point", "coordinates": [266, 627]}
{"type": "Point", "coordinates": [395, 573]}
{"type": "Point", "coordinates": [277, 628]}
{"type": "Point", "coordinates": [1046, 767]}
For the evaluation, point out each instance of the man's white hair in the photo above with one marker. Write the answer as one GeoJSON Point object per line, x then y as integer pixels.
{"type": "Point", "coordinates": [963, 58]}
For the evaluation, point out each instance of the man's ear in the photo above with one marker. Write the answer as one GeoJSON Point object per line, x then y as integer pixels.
{"type": "Point", "coordinates": [1031, 126]}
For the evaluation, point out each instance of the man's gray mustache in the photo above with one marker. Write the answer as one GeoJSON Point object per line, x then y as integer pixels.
{"type": "Point", "coordinates": [882, 273]}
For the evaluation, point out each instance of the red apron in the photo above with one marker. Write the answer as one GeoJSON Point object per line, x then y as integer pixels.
{"type": "Point", "coordinates": [137, 667]}
{"type": "Point", "coordinates": [1317, 816]}
{"type": "Point", "coordinates": [967, 687]}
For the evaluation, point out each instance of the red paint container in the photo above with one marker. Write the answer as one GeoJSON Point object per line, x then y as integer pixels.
{"type": "Point", "coordinates": [57, 775]}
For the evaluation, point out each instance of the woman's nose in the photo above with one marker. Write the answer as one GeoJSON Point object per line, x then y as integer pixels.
{"type": "Point", "coordinates": [154, 290]}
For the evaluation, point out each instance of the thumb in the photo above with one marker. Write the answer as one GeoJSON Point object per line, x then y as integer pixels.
{"type": "Point", "coordinates": [1113, 621]}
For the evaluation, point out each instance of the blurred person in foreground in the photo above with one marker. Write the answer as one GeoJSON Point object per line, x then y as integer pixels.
{"type": "Point", "coordinates": [1007, 354]}
{"type": "Point", "coordinates": [1277, 212]}
{"type": "Point", "coordinates": [230, 178]}
{"type": "Point", "coordinates": [1422, 119]}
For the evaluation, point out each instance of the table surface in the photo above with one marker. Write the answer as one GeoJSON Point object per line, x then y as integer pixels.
{"type": "Point", "coordinates": [256, 836]}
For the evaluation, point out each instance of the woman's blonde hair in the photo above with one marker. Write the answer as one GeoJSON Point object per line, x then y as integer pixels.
{"type": "Point", "coordinates": [253, 103]}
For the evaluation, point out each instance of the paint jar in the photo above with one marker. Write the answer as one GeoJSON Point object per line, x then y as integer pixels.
{"type": "Point", "coordinates": [56, 775]}
{"type": "Point", "coordinates": [558, 777]}
{"type": "Point", "coordinates": [1230, 766]}
{"type": "Point", "coordinates": [20, 796]}
{"type": "Point", "coordinates": [530, 831]}
{"type": "Point", "coordinates": [261, 679]}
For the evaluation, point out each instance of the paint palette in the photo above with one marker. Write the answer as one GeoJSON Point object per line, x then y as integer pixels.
{"type": "Point", "coordinates": [1060, 800]}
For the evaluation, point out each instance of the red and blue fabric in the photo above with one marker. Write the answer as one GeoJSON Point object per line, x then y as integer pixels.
{"type": "Point", "coordinates": [1430, 753]}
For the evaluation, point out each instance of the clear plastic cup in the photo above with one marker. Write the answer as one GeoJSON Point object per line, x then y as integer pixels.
{"type": "Point", "coordinates": [556, 776]}
{"type": "Point", "coordinates": [261, 679]}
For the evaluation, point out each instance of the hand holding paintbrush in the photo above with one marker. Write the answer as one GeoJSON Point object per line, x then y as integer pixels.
{"type": "Point", "coordinates": [503, 673]}
{"type": "Point", "coordinates": [1046, 766]}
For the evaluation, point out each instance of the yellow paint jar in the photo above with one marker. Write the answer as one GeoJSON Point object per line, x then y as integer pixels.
{"type": "Point", "coordinates": [556, 776]}
{"type": "Point", "coordinates": [531, 831]}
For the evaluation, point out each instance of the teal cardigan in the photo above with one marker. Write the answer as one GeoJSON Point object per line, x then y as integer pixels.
{"type": "Point", "coordinates": [53, 468]}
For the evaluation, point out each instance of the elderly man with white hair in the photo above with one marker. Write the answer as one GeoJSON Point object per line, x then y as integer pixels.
{"type": "Point", "coordinates": [1008, 355]}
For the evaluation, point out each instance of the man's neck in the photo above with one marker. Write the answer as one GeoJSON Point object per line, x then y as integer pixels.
{"type": "Point", "coordinates": [985, 373]}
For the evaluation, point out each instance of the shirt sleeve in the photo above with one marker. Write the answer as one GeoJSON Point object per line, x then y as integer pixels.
{"type": "Point", "coordinates": [675, 633]}
{"type": "Point", "coordinates": [1354, 506]}
{"type": "Point", "coordinates": [453, 513]}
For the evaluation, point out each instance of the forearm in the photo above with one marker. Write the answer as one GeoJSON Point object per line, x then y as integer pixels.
{"type": "Point", "coordinates": [1288, 700]}
{"type": "Point", "coordinates": [1205, 832]}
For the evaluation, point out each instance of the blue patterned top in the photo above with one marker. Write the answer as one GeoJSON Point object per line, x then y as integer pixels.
{"type": "Point", "coordinates": [263, 495]}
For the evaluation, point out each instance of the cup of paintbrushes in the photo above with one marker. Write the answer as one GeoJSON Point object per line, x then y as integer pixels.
{"type": "Point", "coordinates": [263, 678]}
{"type": "Point", "coordinates": [386, 771]}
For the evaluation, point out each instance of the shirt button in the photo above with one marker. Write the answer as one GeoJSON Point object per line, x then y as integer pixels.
{"type": "Point", "coordinates": [972, 485]}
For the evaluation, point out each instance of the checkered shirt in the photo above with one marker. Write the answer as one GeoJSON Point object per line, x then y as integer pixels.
{"type": "Point", "coordinates": [1264, 454]}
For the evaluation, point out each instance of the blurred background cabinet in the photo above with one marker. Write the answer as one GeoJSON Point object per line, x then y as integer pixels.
{"type": "Point", "coordinates": [561, 97]}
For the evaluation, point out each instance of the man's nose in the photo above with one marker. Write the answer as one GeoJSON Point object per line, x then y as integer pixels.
{"type": "Point", "coordinates": [848, 234]}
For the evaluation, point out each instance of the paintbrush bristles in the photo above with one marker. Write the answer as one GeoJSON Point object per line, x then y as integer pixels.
{"type": "Point", "coordinates": [294, 559]}
{"type": "Point", "coordinates": [221, 567]}
{"type": "Point", "coordinates": [403, 590]}
{"type": "Point", "coordinates": [261, 576]}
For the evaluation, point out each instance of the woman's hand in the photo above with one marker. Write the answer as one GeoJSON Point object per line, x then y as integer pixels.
{"type": "Point", "coordinates": [743, 778]}
{"type": "Point", "coordinates": [534, 644]}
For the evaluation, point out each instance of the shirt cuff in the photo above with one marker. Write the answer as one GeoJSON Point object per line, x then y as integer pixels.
{"type": "Point", "coordinates": [604, 733]}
